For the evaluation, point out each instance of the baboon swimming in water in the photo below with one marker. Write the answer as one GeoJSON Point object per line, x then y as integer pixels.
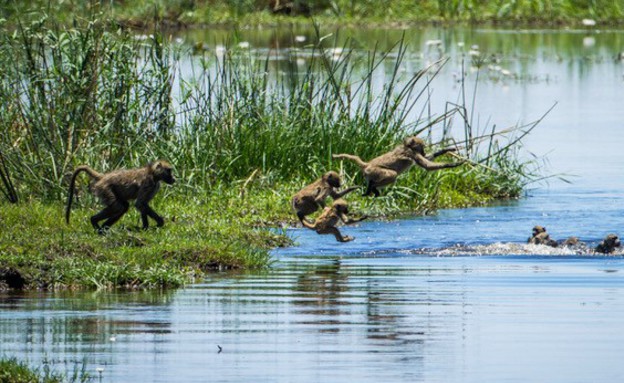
{"type": "Point", "coordinates": [608, 244]}
{"type": "Point", "coordinates": [539, 236]}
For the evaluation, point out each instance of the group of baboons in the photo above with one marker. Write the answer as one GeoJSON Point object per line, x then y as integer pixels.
{"type": "Point", "coordinates": [540, 236]}
{"type": "Point", "coordinates": [115, 189]}
{"type": "Point", "coordinates": [379, 172]}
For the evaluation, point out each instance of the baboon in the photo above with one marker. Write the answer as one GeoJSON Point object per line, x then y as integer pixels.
{"type": "Point", "coordinates": [541, 237]}
{"type": "Point", "coordinates": [608, 245]}
{"type": "Point", "coordinates": [329, 218]}
{"type": "Point", "coordinates": [116, 188]}
{"type": "Point", "coordinates": [384, 170]}
{"type": "Point", "coordinates": [312, 197]}
{"type": "Point", "coordinates": [574, 243]}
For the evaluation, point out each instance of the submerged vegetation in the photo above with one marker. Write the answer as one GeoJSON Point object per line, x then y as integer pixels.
{"type": "Point", "coordinates": [243, 131]}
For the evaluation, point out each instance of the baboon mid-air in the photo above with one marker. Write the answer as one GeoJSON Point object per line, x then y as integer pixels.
{"type": "Point", "coordinates": [312, 197]}
{"type": "Point", "coordinates": [330, 217]}
{"type": "Point", "coordinates": [383, 170]}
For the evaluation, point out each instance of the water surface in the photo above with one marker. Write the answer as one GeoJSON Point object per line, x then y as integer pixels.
{"type": "Point", "coordinates": [452, 297]}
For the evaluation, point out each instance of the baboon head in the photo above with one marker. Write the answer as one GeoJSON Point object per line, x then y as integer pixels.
{"type": "Point", "coordinates": [341, 206]}
{"type": "Point", "coordinates": [538, 229]}
{"type": "Point", "coordinates": [572, 241]}
{"type": "Point", "coordinates": [415, 144]}
{"type": "Point", "coordinates": [612, 241]}
{"type": "Point", "coordinates": [162, 171]}
{"type": "Point", "coordinates": [332, 178]}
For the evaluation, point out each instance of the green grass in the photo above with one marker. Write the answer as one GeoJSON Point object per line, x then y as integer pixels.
{"type": "Point", "coordinates": [178, 13]}
{"type": "Point", "coordinates": [14, 371]}
{"type": "Point", "coordinates": [243, 135]}
{"type": "Point", "coordinates": [202, 235]}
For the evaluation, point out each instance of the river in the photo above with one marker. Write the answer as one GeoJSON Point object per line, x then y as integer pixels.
{"type": "Point", "coordinates": [453, 297]}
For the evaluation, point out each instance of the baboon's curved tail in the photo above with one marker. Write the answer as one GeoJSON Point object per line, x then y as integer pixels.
{"type": "Point", "coordinates": [83, 168]}
{"type": "Point", "coordinates": [353, 158]}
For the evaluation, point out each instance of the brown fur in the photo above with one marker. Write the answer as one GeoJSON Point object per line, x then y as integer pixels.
{"type": "Point", "coordinates": [608, 245]}
{"type": "Point", "coordinates": [116, 188]}
{"type": "Point", "coordinates": [330, 217]}
{"type": "Point", "coordinates": [541, 237]}
{"type": "Point", "coordinates": [312, 197]}
{"type": "Point", "coordinates": [383, 170]}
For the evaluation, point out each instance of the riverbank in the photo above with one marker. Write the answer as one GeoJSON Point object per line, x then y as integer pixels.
{"type": "Point", "coordinates": [242, 138]}
{"type": "Point", "coordinates": [395, 13]}
{"type": "Point", "coordinates": [233, 227]}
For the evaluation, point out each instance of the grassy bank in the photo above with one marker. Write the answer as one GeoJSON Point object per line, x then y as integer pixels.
{"type": "Point", "coordinates": [244, 133]}
{"type": "Point", "coordinates": [38, 251]}
{"type": "Point", "coordinates": [185, 13]}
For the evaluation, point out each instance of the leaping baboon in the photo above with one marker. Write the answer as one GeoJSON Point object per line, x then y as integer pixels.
{"type": "Point", "coordinates": [312, 197]}
{"type": "Point", "coordinates": [116, 188]}
{"type": "Point", "coordinates": [383, 170]}
{"type": "Point", "coordinates": [329, 218]}
{"type": "Point", "coordinates": [541, 237]}
{"type": "Point", "coordinates": [608, 245]}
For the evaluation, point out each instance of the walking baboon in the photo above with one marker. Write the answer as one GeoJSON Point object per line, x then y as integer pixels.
{"type": "Point", "coordinates": [116, 188]}
{"type": "Point", "coordinates": [608, 245]}
{"type": "Point", "coordinates": [541, 237]}
{"type": "Point", "coordinates": [312, 197]}
{"type": "Point", "coordinates": [383, 170]}
{"type": "Point", "coordinates": [329, 218]}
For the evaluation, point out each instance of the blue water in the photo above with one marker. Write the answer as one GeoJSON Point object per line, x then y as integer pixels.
{"type": "Point", "coordinates": [453, 297]}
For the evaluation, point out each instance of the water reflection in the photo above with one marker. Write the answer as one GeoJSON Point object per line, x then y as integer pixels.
{"type": "Point", "coordinates": [374, 319]}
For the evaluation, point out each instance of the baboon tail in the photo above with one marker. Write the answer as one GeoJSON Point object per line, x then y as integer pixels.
{"type": "Point", "coordinates": [70, 196]}
{"type": "Point", "coordinates": [353, 158]}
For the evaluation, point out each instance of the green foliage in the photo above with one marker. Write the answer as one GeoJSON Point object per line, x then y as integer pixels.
{"type": "Point", "coordinates": [14, 371]}
{"type": "Point", "coordinates": [100, 96]}
{"type": "Point", "coordinates": [143, 13]}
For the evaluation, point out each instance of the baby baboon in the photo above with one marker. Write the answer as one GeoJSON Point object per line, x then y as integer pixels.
{"type": "Point", "coordinates": [384, 170]}
{"type": "Point", "coordinates": [608, 245]}
{"type": "Point", "coordinates": [574, 243]}
{"type": "Point", "coordinates": [116, 188]}
{"type": "Point", "coordinates": [541, 237]}
{"type": "Point", "coordinates": [329, 218]}
{"type": "Point", "coordinates": [312, 197]}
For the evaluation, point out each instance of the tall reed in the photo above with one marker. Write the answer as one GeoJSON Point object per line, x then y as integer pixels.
{"type": "Point", "coordinates": [96, 94]}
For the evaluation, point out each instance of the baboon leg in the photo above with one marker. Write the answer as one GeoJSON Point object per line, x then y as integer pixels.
{"type": "Point", "coordinates": [146, 211]}
{"type": "Point", "coordinates": [371, 188]}
{"type": "Point", "coordinates": [378, 177]}
{"type": "Point", "coordinates": [111, 220]}
{"type": "Point", "coordinates": [336, 233]}
{"type": "Point", "coordinates": [110, 213]}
